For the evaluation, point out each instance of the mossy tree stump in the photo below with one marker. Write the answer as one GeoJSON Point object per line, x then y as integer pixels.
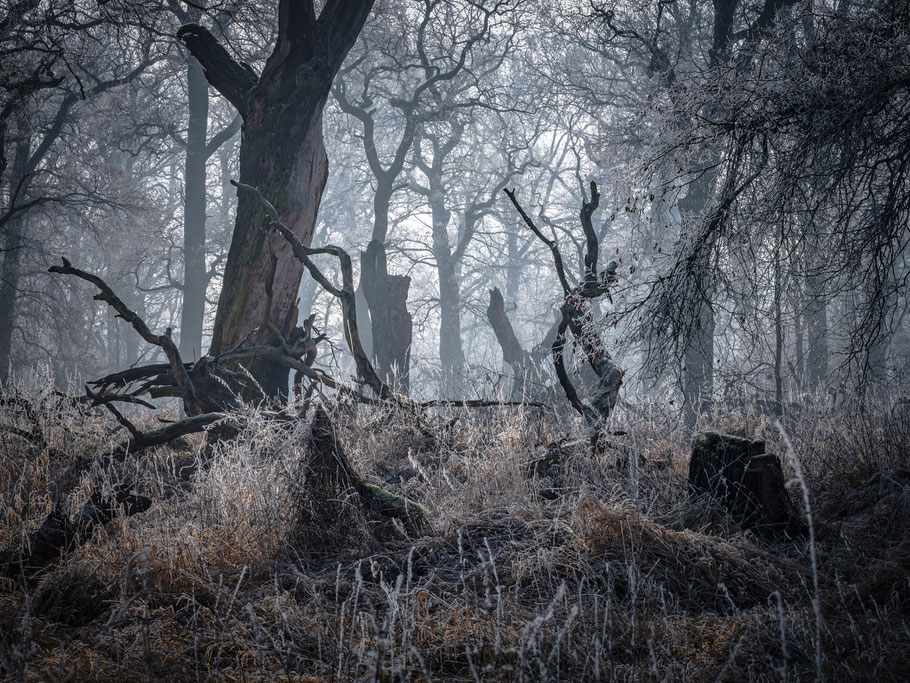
{"type": "Point", "coordinates": [749, 483]}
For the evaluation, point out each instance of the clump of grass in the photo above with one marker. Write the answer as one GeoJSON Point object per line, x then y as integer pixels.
{"type": "Point", "coordinates": [590, 569]}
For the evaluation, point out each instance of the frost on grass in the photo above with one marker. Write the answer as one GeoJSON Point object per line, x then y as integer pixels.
{"type": "Point", "coordinates": [593, 568]}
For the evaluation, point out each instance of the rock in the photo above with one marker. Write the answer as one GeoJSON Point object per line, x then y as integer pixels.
{"type": "Point", "coordinates": [749, 483]}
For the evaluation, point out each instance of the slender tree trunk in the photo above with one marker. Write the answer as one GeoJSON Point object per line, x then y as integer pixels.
{"type": "Point", "coordinates": [9, 287]}
{"type": "Point", "coordinates": [698, 355]}
{"type": "Point", "coordinates": [513, 271]}
{"type": "Point", "coordinates": [816, 316]}
{"type": "Point", "coordinates": [778, 339]}
{"type": "Point", "coordinates": [195, 280]}
{"type": "Point", "coordinates": [12, 254]}
{"type": "Point", "coordinates": [451, 351]}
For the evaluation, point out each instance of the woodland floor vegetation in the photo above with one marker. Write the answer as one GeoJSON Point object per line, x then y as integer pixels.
{"type": "Point", "coordinates": [593, 568]}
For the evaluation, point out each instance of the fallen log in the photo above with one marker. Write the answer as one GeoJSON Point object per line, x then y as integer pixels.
{"type": "Point", "coordinates": [59, 533]}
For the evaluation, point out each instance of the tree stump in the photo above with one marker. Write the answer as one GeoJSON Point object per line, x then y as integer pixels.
{"type": "Point", "coordinates": [749, 483]}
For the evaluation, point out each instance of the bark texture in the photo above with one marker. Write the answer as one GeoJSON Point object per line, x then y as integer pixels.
{"type": "Point", "coordinates": [283, 155]}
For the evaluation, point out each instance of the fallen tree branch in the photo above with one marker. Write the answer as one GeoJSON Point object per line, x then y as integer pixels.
{"type": "Point", "coordinates": [190, 425]}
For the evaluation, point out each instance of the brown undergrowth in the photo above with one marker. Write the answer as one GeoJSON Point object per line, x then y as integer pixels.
{"type": "Point", "coordinates": [596, 569]}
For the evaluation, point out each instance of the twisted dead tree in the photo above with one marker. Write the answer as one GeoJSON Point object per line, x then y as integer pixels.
{"type": "Point", "coordinates": [575, 316]}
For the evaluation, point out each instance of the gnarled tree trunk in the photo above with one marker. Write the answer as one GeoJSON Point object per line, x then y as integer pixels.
{"type": "Point", "coordinates": [282, 154]}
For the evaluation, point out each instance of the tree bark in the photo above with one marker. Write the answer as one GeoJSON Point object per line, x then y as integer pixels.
{"type": "Point", "coordinates": [387, 298]}
{"type": "Point", "coordinates": [195, 280]}
{"type": "Point", "coordinates": [282, 154]}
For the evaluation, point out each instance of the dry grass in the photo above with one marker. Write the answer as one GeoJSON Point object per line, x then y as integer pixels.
{"type": "Point", "coordinates": [600, 570]}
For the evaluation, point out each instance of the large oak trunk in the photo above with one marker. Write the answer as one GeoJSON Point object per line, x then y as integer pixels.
{"type": "Point", "coordinates": [285, 158]}
{"type": "Point", "coordinates": [281, 154]}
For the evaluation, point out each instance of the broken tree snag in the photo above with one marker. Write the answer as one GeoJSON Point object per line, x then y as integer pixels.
{"type": "Point", "coordinates": [512, 351]}
{"type": "Point", "coordinates": [525, 366]}
{"type": "Point", "coordinates": [391, 325]}
{"type": "Point", "coordinates": [330, 464]}
{"type": "Point", "coordinates": [282, 153]}
{"type": "Point", "coordinates": [749, 483]}
{"type": "Point", "coordinates": [575, 313]}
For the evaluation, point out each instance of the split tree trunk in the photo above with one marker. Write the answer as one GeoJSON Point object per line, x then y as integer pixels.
{"type": "Point", "coordinates": [283, 155]}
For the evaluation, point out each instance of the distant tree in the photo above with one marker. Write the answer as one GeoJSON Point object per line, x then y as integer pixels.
{"type": "Point", "coordinates": [39, 101]}
{"type": "Point", "coordinates": [404, 83]}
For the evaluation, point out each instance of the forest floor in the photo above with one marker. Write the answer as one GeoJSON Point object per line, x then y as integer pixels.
{"type": "Point", "coordinates": [599, 570]}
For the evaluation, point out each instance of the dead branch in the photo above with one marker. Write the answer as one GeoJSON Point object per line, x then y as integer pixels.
{"type": "Point", "coordinates": [141, 441]}
{"type": "Point", "coordinates": [106, 294]}
{"type": "Point", "coordinates": [554, 248]}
